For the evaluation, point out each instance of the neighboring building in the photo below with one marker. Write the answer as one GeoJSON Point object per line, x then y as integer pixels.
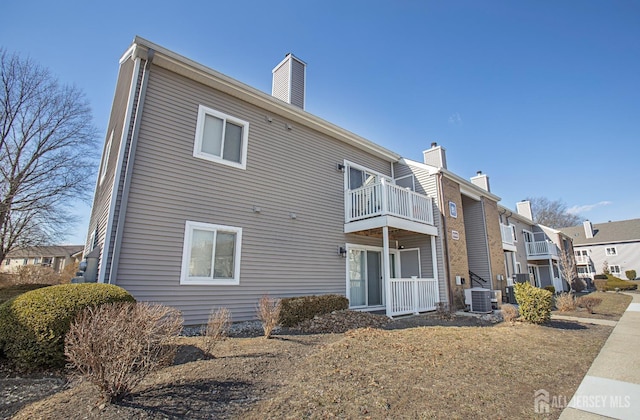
{"type": "Point", "coordinates": [533, 249]}
{"type": "Point", "coordinates": [56, 257]}
{"type": "Point", "coordinates": [211, 193]}
{"type": "Point", "coordinates": [616, 243]}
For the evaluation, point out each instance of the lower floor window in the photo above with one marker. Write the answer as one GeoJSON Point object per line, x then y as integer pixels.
{"type": "Point", "coordinates": [211, 254]}
{"type": "Point", "coordinates": [614, 269]}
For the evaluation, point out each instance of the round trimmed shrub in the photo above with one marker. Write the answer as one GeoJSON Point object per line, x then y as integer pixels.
{"type": "Point", "coordinates": [33, 325]}
{"type": "Point", "coordinates": [535, 303]}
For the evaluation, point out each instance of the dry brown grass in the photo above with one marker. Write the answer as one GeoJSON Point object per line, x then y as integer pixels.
{"type": "Point", "coordinates": [269, 314]}
{"type": "Point", "coordinates": [612, 307]}
{"type": "Point", "coordinates": [216, 329]}
{"type": "Point", "coordinates": [566, 302]}
{"type": "Point", "coordinates": [419, 372]}
{"type": "Point", "coordinates": [115, 346]}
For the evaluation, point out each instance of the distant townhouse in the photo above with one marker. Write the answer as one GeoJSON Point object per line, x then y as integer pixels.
{"type": "Point", "coordinates": [533, 250]}
{"type": "Point", "coordinates": [57, 257]}
{"type": "Point", "coordinates": [615, 243]}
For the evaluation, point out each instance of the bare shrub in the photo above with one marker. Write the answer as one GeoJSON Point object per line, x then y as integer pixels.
{"type": "Point", "coordinates": [115, 346]}
{"type": "Point", "coordinates": [69, 272]}
{"type": "Point", "coordinates": [443, 311]}
{"type": "Point", "coordinates": [566, 302]}
{"type": "Point", "coordinates": [37, 274]}
{"type": "Point", "coordinates": [269, 314]}
{"type": "Point", "coordinates": [589, 302]}
{"type": "Point", "coordinates": [509, 313]}
{"type": "Point", "coordinates": [216, 329]}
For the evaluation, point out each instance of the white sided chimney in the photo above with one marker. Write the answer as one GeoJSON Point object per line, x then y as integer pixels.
{"type": "Point", "coordinates": [524, 209]}
{"type": "Point", "coordinates": [588, 229]}
{"type": "Point", "coordinates": [435, 156]}
{"type": "Point", "coordinates": [289, 80]}
{"type": "Point", "coordinates": [481, 180]}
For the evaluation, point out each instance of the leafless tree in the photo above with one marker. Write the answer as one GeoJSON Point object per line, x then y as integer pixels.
{"type": "Point", "coordinates": [47, 153]}
{"type": "Point", "coordinates": [568, 270]}
{"type": "Point", "coordinates": [552, 213]}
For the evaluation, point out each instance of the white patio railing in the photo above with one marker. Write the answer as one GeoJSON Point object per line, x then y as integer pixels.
{"type": "Point", "coordinates": [583, 259]}
{"type": "Point", "coordinates": [382, 198]}
{"type": "Point", "coordinates": [507, 234]}
{"type": "Point", "coordinates": [541, 249]}
{"type": "Point", "coordinates": [414, 295]}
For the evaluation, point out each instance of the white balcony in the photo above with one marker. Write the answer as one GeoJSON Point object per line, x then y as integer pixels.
{"type": "Point", "coordinates": [541, 250]}
{"type": "Point", "coordinates": [508, 241]}
{"type": "Point", "coordinates": [412, 296]}
{"type": "Point", "coordinates": [395, 206]}
{"type": "Point", "coordinates": [583, 260]}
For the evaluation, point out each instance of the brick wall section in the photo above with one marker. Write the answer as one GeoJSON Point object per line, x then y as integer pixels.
{"type": "Point", "coordinates": [457, 249]}
{"type": "Point", "coordinates": [496, 253]}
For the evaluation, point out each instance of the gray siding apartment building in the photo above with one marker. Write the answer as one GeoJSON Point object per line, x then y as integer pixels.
{"type": "Point", "coordinates": [211, 193]}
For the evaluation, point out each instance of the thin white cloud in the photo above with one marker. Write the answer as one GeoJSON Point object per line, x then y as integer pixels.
{"type": "Point", "coordinates": [587, 207]}
{"type": "Point", "coordinates": [455, 119]}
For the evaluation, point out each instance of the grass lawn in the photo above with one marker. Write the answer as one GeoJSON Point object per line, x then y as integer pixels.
{"type": "Point", "coordinates": [412, 372]}
{"type": "Point", "coordinates": [612, 307]}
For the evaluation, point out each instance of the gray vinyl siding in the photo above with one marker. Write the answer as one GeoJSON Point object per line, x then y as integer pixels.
{"type": "Point", "coordinates": [297, 83]}
{"type": "Point", "coordinates": [427, 184]}
{"type": "Point", "coordinates": [280, 84]}
{"type": "Point", "coordinates": [628, 257]}
{"type": "Point", "coordinates": [545, 276]}
{"type": "Point", "coordinates": [103, 194]}
{"type": "Point", "coordinates": [476, 239]}
{"type": "Point", "coordinates": [287, 171]}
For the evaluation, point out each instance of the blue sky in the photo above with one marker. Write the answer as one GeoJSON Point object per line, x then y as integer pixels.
{"type": "Point", "coordinates": [543, 96]}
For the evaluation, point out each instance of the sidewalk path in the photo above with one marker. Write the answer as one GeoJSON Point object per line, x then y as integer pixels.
{"type": "Point", "coordinates": [611, 387]}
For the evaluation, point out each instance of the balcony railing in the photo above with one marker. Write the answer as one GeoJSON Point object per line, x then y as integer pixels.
{"type": "Point", "coordinates": [542, 249]}
{"type": "Point", "coordinates": [414, 295]}
{"type": "Point", "coordinates": [382, 198]}
{"type": "Point", "coordinates": [583, 260]}
{"type": "Point", "coordinates": [507, 234]}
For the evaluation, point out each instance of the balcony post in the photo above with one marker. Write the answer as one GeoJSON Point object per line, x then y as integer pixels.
{"type": "Point", "coordinates": [383, 190]}
{"type": "Point", "coordinates": [386, 268]}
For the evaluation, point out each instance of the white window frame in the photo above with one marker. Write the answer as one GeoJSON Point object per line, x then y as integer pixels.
{"type": "Point", "coordinates": [513, 232]}
{"type": "Point", "coordinates": [105, 158]}
{"type": "Point", "coordinates": [518, 268]}
{"type": "Point", "coordinates": [453, 209]}
{"type": "Point", "coordinates": [190, 226]}
{"type": "Point", "coordinates": [203, 111]}
{"type": "Point", "coordinates": [611, 270]}
{"type": "Point", "coordinates": [348, 165]}
{"type": "Point", "coordinates": [413, 181]}
{"type": "Point", "coordinates": [613, 253]}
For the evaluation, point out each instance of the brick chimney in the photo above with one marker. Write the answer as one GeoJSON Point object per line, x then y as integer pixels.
{"type": "Point", "coordinates": [481, 180]}
{"type": "Point", "coordinates": [588, 229]}
{"type": "Point", "coordinates": [289, 80]}
{"type": "Point", "coordinates": [435, 156]}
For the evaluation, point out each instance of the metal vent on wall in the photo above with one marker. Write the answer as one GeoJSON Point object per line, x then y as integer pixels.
{"type": "Point", "coordinates": [481, 301]}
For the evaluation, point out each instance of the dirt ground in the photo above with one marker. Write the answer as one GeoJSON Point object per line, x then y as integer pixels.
{"type": "Point", "coordinates": [414, 367]}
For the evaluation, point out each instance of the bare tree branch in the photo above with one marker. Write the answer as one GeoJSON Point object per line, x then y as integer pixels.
{"type": "Point", "coordinates": [552, 213]}
{"type": "Point", "coordinates": [48, 153]}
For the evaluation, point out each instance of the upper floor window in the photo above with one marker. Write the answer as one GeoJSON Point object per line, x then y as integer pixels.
{"type": "Point", "coordinates": [513, 232]}
{"type": "Point", "coordinates": [221, 138]}
{"type": "Point", "coordinates": [615, 270]}
{"type": "Point", "coordinates": [611, 251]}
{"type": "Point", "coordinates": [211, 254]}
